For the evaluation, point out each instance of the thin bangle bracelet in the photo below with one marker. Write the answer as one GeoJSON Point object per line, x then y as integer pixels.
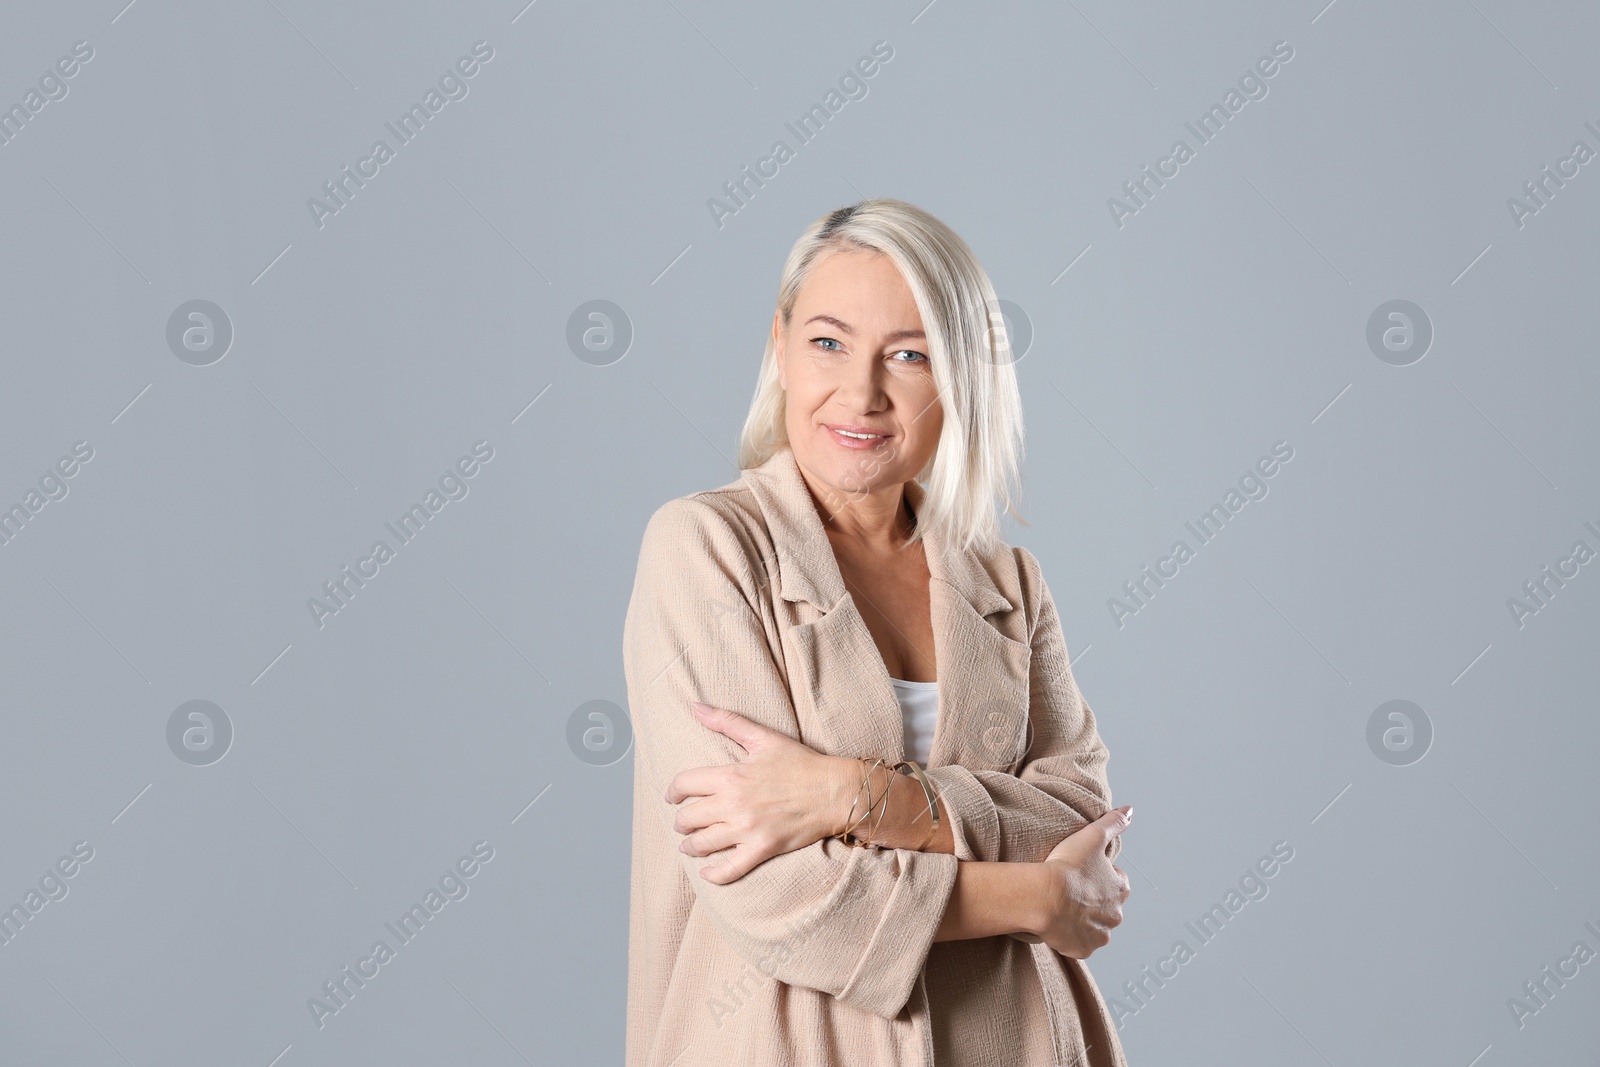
{"type": "Point", "coordinates": [869, 765]}
{"type": "Point", "coordinates": [933, 800]}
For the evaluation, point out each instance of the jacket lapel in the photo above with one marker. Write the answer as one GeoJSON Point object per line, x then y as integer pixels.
{"type": "Point", "coordinates": [841, 689]}
{"type": "Point", "coordinates": [983, 668]}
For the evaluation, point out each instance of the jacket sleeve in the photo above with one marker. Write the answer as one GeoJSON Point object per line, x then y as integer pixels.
{"type": "Point", "coordinates": [854, 923]}
{"type": "Point", "coordinates": [1061, 784]}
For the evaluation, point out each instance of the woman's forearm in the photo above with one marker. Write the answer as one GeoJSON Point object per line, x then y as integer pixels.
{"type": "Point", "coordinates": [995, 899]}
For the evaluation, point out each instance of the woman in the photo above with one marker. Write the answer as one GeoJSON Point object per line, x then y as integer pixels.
{"type": "Point", "coordinates": [788, 627]}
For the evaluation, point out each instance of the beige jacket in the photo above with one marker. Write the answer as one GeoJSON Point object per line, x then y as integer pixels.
{"type": "Point", "coordinates": [824, 956]}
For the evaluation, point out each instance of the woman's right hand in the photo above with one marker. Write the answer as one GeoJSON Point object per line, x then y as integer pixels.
{"type": "Point", "coordinates": [1086, 888]}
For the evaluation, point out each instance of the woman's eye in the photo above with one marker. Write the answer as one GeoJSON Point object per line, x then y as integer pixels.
{"type": "Point", "coordinates": [825, 340]}
{"type": "Point", "coordinates": [912, 352]}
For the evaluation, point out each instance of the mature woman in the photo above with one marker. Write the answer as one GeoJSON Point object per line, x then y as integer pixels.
{"type": "Point", "coordinates": [872, 824]}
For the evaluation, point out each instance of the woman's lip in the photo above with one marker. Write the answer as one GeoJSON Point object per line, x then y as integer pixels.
{"type": "Point", "coordinates": [856, 442]}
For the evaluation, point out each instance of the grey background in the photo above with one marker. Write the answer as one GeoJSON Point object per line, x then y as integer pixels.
{"type": "Point", "coordinates": [433, 710]}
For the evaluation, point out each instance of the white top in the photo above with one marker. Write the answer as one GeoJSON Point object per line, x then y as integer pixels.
{"type": "Point", "coordinates": [919, 712]}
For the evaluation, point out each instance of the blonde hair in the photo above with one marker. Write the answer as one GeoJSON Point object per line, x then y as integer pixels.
{"type": "Point", "coordinates": [980, 449]}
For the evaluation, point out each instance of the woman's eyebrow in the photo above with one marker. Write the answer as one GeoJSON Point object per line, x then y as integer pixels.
{"type": "Point", "coordinates": [898, 335]}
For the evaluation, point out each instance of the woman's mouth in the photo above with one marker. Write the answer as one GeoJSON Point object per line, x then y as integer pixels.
{"type": "Point", "coordinates": [857, 436]}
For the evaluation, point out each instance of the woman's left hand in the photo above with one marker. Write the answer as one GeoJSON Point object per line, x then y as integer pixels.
{"type": "Point", "coordinates": [784, 795]}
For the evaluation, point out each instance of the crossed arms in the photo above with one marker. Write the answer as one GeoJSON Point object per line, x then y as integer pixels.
{"type": "Point", "coordinates": [879, 911]}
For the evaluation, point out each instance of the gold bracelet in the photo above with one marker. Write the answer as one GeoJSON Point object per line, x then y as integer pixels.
{"type": "Point", "coordinates": [888, 791]}
{"type": "Point", "coordinates": [849, 820]}
{"type": "Point", "coordinates": [871, 764]}
{"type": "Point", "coordinates": [933, 800]}
{"type": "Point", "coordinates": [847, 835]}
{"type": "Point", "coordinates": [853, 822]}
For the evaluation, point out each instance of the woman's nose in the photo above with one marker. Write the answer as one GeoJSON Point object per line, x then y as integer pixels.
{"type": "Point", "coordinates": [863, 385]}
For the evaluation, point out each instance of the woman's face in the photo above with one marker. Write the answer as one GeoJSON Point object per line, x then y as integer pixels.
{"type": "Point", "coordinates": [854, 357]}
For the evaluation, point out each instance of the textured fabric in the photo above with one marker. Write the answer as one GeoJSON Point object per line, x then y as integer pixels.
{"type": "Point", "coordinates": [824, 956]}
{"type": "Point", "coordinates": [919, 715]}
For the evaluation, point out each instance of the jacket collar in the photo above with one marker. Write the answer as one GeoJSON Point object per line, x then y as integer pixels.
{"type": "Point", "coordinates": [807, 567]}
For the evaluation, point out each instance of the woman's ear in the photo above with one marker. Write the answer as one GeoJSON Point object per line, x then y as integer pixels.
{"type": "Point", "coordinates": [777, 347]}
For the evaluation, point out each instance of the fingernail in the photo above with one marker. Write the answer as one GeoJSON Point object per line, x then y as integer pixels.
{"type": "Point", "coordinates": [699, 707]}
